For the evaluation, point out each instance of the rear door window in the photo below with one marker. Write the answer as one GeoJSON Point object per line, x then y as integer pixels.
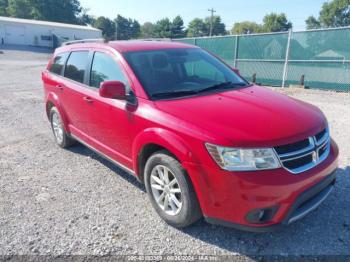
{"type": "Point", "coordinates": [104, 68]}
{"type": "Point", "coordinates": [58, 63]}
{"type": "Point", "coordinates": [76, 66]}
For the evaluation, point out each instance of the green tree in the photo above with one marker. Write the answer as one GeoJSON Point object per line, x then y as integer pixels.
{"type": "Point", "coordinates": [122, 27]}
{"type": "Point", "coordinates": [163, 28]}
{"type": "Point", "coordinates": [177, 28]}
{"type": "Point", "coordinates": [84, 18]}
{"type": "Point", "coordinates": [312, 23]}
{"type": "Point", "coordinates": [276, 23]}
{"type": "Point", "coordinates": [19, 9]}
{"type": "Point", "coordinates": [127, 28]}
{"type": "Point", "coordinates": [3, 6]}
{"type": "Point", "coordinates": [135, 29]}
{"type": "Point", "coordinates": [334, 13]}
{"type": "Point", "coordinates": [197, 28]}
{"type": "Point", "coordinates": [64, 11]}
{"type": "Point", "coordinates": [147, 30]}
{"type": "Point", "coordinates": [219, 28]}
{"type": "Point", "coordinates": [246, 27]}
{"type": "Point", "coordinates": [107, 26]}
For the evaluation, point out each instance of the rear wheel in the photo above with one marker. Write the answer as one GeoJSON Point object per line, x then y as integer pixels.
{"type": "Point", "coordinates": [61, 136]}
{"type": "Point", "coordinates": [170, 190]}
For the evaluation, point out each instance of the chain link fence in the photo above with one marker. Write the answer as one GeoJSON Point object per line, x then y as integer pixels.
{"type": "Point", "coordinates": [315, 59]}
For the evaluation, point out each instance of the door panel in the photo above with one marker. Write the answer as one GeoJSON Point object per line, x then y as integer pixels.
{"type": "Point", "coordinates": [109, 120]}
{"type": "Point", "coordinates": [76, 108]}
{"type": "Point", "coordinates": [110, 126]}
{"type": "Point", "coordinates": [74, 92]}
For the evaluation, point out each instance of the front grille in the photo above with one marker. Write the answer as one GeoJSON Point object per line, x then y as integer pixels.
{"type": "Point", "coordinates": [322, 150]}
{"type": "Point", "coordinates": [298, 162]}
{"type": "Point", "coordinates": [292, 147]}
{"type": "Point", "coordinates": [305, 154]}
{"type": "Point", "coordinates": [320, 135]}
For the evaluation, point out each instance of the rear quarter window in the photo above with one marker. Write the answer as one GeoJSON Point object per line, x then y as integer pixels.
{"type": "Point", "coordinates": [58, 63]}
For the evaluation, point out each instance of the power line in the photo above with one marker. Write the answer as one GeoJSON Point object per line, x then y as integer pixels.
{"type": "Point", "coordinates": [211, 20]}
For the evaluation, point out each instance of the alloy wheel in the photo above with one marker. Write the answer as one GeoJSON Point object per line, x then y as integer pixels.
{"type": "Point", "coordinates": [57, 128]}
{"type": "Point", "coordinates": [166, 190]}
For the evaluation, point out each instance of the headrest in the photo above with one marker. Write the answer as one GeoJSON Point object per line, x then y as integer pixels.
{"type": "Point", "coordinates": [159, 61]}
{"type": "Point", "coordinates": [142, 61]}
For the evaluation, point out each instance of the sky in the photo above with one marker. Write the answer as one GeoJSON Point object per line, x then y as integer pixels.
{"type": "Point", "coordinates": [231, 11]}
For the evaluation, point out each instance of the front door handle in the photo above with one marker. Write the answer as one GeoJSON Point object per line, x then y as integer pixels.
{"type": "Point", "coordinates": [88, 100]}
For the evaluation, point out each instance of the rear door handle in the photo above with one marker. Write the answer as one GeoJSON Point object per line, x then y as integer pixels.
{"type": "Point", "coordinates": [88, 99]}
{"type": "Point", "coordinates": [59, 87]}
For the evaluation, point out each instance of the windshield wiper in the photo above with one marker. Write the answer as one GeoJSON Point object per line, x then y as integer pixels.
{"type": "Point", "coordinates": [222, 85]}
{"type": "Point", "coordinates": [175, 93]}
{"type": "Point", "coordinates": [179, 93]}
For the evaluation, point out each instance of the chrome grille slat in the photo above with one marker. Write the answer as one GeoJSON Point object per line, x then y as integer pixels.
{"type": "Point", "coordinates": [304, 150]}
{"type": "Point", "coordinates": [323, 139]}
{"type": "Point", "coordinates": [302, 168]}
{"type": "Point", "coordinates": [326, 153]}
{"type": "Point", "coordinates": [301, 158]}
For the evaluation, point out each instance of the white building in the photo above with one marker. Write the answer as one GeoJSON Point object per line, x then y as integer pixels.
{"type": "Point", "coordinates": [15, 31]}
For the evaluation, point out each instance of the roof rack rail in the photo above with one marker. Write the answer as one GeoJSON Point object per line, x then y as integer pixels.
{"type": "Point", "coordinates": [99, 40]}
{"type": "Point", "coordinates": [155, 39]}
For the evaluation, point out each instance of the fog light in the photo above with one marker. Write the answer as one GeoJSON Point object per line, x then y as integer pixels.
{"type": "Point", "coordinates": [261, 215]}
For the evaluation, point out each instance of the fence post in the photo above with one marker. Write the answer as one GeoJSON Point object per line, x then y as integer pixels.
{"type": "Point", "coordinates": [195, 41]}
{"type": "Point", "coordinates": [236, 53]}
{"type": "Point", "coordinates": [285, 69]}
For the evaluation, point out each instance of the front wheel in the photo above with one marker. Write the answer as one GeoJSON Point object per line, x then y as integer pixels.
{"type": "Point", "coordinates": [170, 190]}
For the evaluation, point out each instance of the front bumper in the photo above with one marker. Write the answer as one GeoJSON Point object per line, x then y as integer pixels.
{"type": "Point", "coordinates": [305, 203]}
{"type": "Point", "coordinates": [226, 198]}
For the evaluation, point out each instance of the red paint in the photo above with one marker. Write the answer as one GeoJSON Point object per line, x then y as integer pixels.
{"type": "Point", "coordinates": [248, 117]}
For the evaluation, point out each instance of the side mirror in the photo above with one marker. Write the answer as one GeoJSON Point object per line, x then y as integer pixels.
{"type": "Point", "coordinates": [236, 71]}
{"type": "Point", "coordinates": [113, 90]}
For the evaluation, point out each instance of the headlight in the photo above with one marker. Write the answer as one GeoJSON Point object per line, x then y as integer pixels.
{"type": "Point", "coordinates": [235, 159]}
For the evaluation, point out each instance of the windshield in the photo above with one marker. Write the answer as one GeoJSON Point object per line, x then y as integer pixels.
{"type": "Point", "coordinates": [171, 73]}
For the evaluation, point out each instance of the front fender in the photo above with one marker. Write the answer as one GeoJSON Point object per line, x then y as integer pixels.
{"type": "Point", "coordinates": [164, 138]}
{"type": "Point", "coordinates": [181, 150]}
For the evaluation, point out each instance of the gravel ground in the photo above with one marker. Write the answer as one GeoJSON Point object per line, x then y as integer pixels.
{"type": "Point", "coordinates": [63, 202]}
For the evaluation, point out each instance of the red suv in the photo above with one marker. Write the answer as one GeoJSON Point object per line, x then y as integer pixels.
{"type": "Point", "coordinates": [202, 139]}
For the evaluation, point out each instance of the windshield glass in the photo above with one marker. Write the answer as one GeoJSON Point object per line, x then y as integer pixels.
{"type": "Point", "coordinates": [171, 73]}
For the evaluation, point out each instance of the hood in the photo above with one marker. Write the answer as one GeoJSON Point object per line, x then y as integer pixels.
{"type": "Point", "coordinates": [248, 117]}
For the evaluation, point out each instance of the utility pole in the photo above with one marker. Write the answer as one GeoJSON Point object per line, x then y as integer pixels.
{"type": "Point", "coordinates": [212, 11]}
{"type": "Point", "coordinates": [116, 28]}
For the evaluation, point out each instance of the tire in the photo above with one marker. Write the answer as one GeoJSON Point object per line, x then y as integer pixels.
{"type": "Point", "coordinates": [61, 137]}
{"type": "Point", "coordinates": [189, 211]}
